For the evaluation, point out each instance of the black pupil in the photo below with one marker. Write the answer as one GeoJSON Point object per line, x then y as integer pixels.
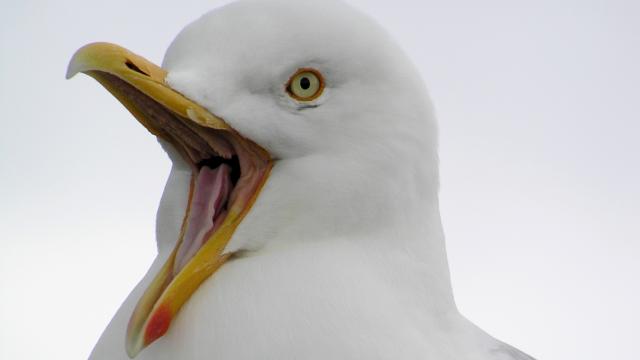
{"type": "Point", "coordinates": [305, 83]}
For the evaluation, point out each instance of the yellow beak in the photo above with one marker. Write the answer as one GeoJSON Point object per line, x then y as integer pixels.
{"type": "Point", "coordinates": [141, 87]}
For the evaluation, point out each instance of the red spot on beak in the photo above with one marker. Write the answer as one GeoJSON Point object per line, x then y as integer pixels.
{"type": "Point", "coordinates": [158, 324]}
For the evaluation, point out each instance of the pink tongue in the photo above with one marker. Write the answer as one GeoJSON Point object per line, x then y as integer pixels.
{"type": "Point", "coordinates": [212, 188]}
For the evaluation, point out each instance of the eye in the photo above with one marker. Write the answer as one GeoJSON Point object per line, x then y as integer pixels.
{"type": "Point", "coordinates": [305, 85]}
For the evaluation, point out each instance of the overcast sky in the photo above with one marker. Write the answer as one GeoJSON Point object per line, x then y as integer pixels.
{"type": "Point", "coordinates": [540, 150]}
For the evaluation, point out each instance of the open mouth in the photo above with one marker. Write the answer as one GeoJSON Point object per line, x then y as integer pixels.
{"type": "Point", "coordinates": [226, 169]}
{"type": "Point", "coordinates": [228, 172]}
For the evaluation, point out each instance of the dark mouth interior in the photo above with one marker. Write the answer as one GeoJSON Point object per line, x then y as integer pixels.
{"type": "Point", "coordinates": [215, 161]}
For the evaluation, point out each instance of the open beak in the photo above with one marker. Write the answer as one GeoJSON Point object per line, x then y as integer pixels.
{"type": "Point", "coordinates": [228, 172]}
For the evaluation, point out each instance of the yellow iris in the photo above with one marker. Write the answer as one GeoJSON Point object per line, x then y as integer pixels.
{"type": "Point", "coordinates": [305, 85]}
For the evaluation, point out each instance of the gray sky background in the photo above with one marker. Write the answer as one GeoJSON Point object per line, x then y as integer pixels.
{"type": "Point", "coordinates": [540, 149]}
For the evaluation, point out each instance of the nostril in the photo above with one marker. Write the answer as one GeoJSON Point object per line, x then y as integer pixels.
{"type": "Point", "coordinates": [135, 68]}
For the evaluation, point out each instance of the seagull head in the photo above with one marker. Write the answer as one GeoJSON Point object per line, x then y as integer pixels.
{"type": "Point", "coordinates": [287, 122]}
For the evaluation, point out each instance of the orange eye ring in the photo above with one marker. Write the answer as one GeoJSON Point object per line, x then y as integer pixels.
{"type": "Point", "coordinates": [306, 84]}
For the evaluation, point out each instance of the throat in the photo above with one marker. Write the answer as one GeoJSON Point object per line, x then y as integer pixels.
{"type": "Point", "coordinates": [209, 197]}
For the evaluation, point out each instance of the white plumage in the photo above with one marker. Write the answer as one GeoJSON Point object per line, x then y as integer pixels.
{"type": "Point", "coordinates": [343, 253]}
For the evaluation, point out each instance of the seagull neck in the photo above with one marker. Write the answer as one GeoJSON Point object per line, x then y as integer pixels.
{"type": "Point", "coordinates": [381, 207]}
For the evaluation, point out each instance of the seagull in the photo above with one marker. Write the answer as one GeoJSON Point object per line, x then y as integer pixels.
{"type": "Point", "coordinates": [300, 219]}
